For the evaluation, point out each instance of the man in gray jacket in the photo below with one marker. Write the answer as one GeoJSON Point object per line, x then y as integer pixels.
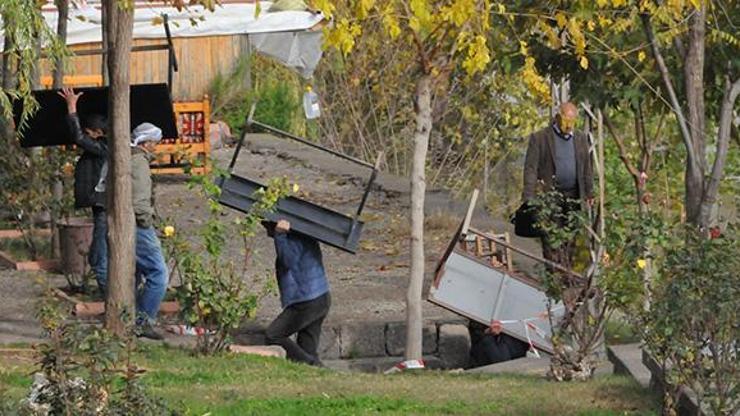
{"type": "Point", "coordinates": [151, 269]}
{"type": "Point", "coordinates": [558, 159]}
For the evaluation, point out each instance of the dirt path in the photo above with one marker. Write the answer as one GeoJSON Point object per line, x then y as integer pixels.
{"type": "Point", "coordinates": [370, 285]}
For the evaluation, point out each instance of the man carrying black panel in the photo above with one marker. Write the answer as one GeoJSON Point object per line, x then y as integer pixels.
{"type": "Point", "coordinates": [90, 172]}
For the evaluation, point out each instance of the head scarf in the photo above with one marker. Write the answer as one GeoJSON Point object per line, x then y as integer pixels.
{"type": "Point", "coordinates": [145, 132]}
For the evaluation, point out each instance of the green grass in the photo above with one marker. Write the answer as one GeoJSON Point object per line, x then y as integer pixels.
{"type": "Point", "coordinates": [619, 331]}
{"type": "Point", "coordinates": [244, 385]}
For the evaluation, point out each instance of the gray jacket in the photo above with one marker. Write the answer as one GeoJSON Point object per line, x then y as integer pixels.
{"type": "Point", "coordinates": [539, 164]}
{"type": "Point", "coordinates": [142, 187]}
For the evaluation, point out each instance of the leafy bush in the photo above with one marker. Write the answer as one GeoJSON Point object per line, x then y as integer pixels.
{"type": "Point", "coordinates": [691, 326]}
{"type": "Point", "coordinates": [275, 91]}
{"type": "Point", "coordinates": [214, 295]}
{"type": "Point", "coordinates": [85, 370]}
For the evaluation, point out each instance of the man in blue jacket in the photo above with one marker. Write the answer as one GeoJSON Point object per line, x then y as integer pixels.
{"type": "Point", "coordinates": [304, 293]}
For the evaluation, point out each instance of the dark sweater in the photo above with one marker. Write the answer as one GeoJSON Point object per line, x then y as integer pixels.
{"type": "Point", "coordinates": [88, 167]}
{"type": "Point", "coordinates": [299, 268]}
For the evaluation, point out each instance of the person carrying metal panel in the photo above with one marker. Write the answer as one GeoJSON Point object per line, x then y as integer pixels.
{"type": "Point", "coordinates": [90, 171]}
{"type": "Point", "coordinates": [304, 293]}
{"type": "Point", "coordinates": [490, 345]}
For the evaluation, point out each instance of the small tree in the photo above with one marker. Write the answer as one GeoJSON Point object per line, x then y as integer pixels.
{"type": "Point", "coordinates": [445, 35]}
{"type": "Point", "coordinates": [214, 296]}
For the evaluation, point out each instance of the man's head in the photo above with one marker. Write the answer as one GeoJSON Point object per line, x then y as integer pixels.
{"type": "Point", "coordinates": [146, 135]}
{"type": "Point", "coordinates": [567, 117]}
{"type": "Point", "coordinates": [95, 125]}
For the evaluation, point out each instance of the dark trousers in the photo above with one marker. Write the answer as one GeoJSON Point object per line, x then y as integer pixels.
{"type": "Point", "coordinates": [303, 319]}
{"type": "Point", "coordinates": [98, 254]}
{"type": "Point", "coordinates": [564, 253]}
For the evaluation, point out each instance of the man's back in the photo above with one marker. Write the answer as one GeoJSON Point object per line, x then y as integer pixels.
{"type": "Point", "coordinates": [299, 267]}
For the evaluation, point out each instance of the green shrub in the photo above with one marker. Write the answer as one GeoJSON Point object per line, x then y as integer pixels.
{"type": "Point", "coordinates": [214, 295]}
{"type": "Point", "coordinates": [276, 91]}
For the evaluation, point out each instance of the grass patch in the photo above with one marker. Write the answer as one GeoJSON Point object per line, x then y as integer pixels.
{"type": "Point", "coordinates": [618, 331]}
{"type": "Point", "coordinates": [244, 385]}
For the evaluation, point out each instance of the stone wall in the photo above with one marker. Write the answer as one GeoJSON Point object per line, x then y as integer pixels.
{"type": "Point", "coordinates": [445, 342]}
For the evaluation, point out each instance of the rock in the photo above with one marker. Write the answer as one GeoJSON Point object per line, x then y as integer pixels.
{"type": "Point", "coordinates": [261, 350]}
{"type": "Point", "coordinates": [362, 339]}
{"type": "Point", "coordinates": [329, 343]}
{"type": "Point", "coordinates": [454, 345]}
{"type": "Point", "coordinates": [395, 338]}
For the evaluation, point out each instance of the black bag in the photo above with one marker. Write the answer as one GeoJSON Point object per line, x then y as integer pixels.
{"type": "Point", "coordinates": [525, 222]}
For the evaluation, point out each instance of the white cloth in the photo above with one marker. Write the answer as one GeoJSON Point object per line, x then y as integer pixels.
{"type": "Point", "coordinates": [145, 132]}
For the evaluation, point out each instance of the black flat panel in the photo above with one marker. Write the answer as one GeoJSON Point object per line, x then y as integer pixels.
{"type": "Point", "coordinates": [329, 227]}
{"type": "Point", "coordinates": [47, 127]}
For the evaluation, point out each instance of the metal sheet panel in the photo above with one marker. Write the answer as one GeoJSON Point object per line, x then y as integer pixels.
{"type": "Point", "coordinates": [483, 293]}
{"type": "Point", "coordinates": [329, 227]}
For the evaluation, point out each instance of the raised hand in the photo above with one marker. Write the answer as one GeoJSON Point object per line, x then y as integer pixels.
{"type": "Point", "coordinates": [71, 98]}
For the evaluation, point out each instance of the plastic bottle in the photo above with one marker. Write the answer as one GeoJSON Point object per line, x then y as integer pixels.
{"type": "Point", "coordinates": [311, 104]}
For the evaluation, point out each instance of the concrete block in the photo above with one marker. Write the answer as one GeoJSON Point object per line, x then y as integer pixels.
{"type": "Point", "coordinates": [525, 365]}
{"type": "Point", "coordinates": [329, 343]}
{"type": "Point", "coordinates": [395, 338]}
{"type": "Point", "coordinates": [362, 339]}
{"type": "Point", "coordinates": [454, 345]}
{"type": "Point", "coordinates": [627, 360]}
{"type": "Point", "coordinates": [376, 364]}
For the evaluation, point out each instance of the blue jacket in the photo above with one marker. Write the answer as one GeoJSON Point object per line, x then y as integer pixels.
{"type": "Point", "coordinates": [300, 271]}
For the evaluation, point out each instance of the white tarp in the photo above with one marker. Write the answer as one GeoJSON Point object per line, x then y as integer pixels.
{"type": "Point", "coordinates": [286, 36]}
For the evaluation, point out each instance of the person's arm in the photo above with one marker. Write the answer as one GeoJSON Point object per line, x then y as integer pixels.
{"type": "Point", "coordinates": [531, 164]}
{"type": "Point", "coordinates": [288, 250]}
{"type": "Point", "coordinates": [589, 174]}
{"type": "Point", "coordinates": [98, 148]}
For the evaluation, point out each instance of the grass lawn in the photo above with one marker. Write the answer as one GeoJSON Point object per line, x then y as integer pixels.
{"type": "Point", "coordinates": [244, 385]}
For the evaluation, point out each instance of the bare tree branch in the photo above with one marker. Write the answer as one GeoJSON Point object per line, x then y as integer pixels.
{"type": "Point", "coordinates": [732, 90]}
{"type": "Point", "coordinates": [622, 149]}
{"type": "Point", "coordinates": [669, 88]}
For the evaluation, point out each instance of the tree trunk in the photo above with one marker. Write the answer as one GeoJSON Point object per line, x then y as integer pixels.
{"type": "Point", "coordinates": [57, 188]}
{"type": "Point", "coordinates": [694, 83]}
{"type": "Point", "coordinates": [120, 308]}
{"type": "Point", "coordinates": [711, 189]}
{"type": "Point", "coordinates": [423, 110]}
{"type": "Point", "coordinates": [9, 82]}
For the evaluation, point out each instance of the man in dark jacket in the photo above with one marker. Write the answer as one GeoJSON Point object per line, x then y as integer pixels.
{"type": "Point", "coordinates": [304, 293]}
{"type": "Point", "coordinates": [89, 180]}
{"type": "Point", "coordinates": [558, 159]}
{"type": "Point", "coordinates": [490, 345]}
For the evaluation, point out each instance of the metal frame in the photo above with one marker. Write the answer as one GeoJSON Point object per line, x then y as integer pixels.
{"type": "Point", "coordinates": [325, 225]}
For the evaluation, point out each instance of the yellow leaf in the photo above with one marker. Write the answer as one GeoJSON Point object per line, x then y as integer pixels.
{"type": "Point", "coordinates": [561, 19]}
{"type": "Point", "coordinates": [696, 4]}
{"type": "Point", "coordinates": [641, 263]}
{"type": "Point", "coordinates": [591, 25]}
{"type": "Point", "coordinates": [501, 8]}
{"type": "Point", "coordinates": [296, 188]}
{"type": "Point", "coordinates": [641, 56]}
{"type": "Point", "coordinates": [583, 62]}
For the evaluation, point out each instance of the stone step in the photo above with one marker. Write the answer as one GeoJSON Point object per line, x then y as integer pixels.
{"type": "Point", "coordinates": [627, 360]}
